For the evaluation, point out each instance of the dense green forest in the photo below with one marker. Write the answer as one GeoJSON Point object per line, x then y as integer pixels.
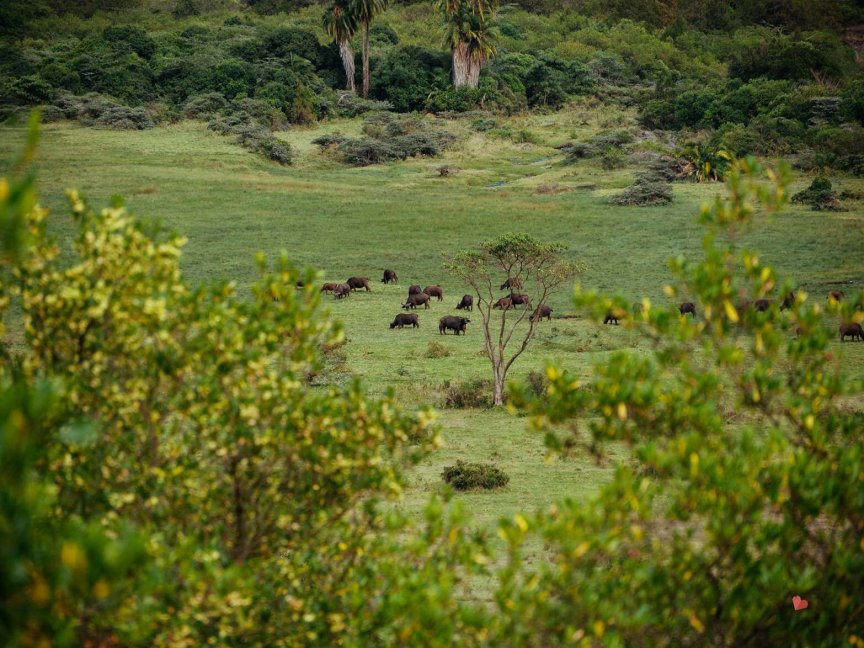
{"type": "Point", "coordinates": [768, 77]}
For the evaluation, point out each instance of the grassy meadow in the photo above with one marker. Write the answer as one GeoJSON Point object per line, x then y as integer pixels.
{"type": "Point", "coordinates": [347, 221]}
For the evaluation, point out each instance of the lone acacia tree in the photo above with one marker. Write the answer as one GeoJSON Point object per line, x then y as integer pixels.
{"type": "Point", "coordinates": [520, 260]}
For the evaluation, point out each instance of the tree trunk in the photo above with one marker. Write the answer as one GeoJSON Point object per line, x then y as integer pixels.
{"type": "Point", "coordinates": [500, 371]}
{"type": "Point", "coordinates": [474, 66]}
{"type": "Point", "coordinates": [498, 396]}
{"type": "Point", "coordinates": [365, 61]}
{"type": "Point", "coordinates": [347, 55]}
{"type": "Point", "coordinates": [461, 64]}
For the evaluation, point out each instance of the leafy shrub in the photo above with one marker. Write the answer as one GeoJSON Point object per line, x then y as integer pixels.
{"type": "Point", "coordinates": [475, 393]}
{"type": "Point", "coordinates": [351, 105]}
{"type": "Point", "coordinates": [185, 8]}
{"type": "Point", "coordinates": [204, 106]}
{"type": "Point", "coordinates": [124, 117]}
{"type": "Point", "coordinates": [287, 41]}
{"type": "Point", "coordinates": [819, 195]}
{"type": "Point", "coordinates": [482, 124]}
{"type": "Point", "coordinates": [392, 137]}
{"type": "Point", "coordinates": [28, 90]}
{"type": "Point", "coordinates": [329, 140]}
{"type": "Point", "coordinates": [469, 476]}
{"type": "Point", "coordinates": [383, 33]}
{"type": "Point", "coordinates": [645, 191]}
{"type": "Point", "coordinates": [132, 38]}
{"type": "Point", "coordinates": [551, 81]}
{"type": "Point", "coordinates": [461, 99]}
{"type": "Point", "coordinates": [407, 75]}
{"type": "Point", "coordinates": [613, 158]}
{"type": "Point", "coordinates": [436, 350]}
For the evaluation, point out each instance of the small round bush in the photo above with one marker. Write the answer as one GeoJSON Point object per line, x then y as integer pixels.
{"type": "Point", "coordinates": [469, 476]}
{"type": "Point", "coordinates": [470, 394]}
{"type": "Point", "coordinates": [436, 350]}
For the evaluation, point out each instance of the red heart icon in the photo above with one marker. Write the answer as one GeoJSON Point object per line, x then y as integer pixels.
{"type": "Point", "coordinates": [798, 603]}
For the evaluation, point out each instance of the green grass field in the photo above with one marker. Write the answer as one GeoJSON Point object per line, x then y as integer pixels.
{"type": "Point", "coordinates": [356, 221]}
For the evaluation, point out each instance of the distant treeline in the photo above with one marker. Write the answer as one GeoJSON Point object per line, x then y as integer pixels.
{"type": "Point", "coordinates": [702, 14]}
{"type": "Point", "coordinates": [726, 68]}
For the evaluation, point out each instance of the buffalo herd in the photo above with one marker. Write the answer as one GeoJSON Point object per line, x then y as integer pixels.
{"type": "Point", "coordinates": [418, 296]}
{"type": "Point", "coordinates": [852, 329]}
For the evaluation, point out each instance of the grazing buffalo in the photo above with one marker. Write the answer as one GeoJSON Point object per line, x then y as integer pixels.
{"type": "Point", "coordinates": [414, 301]}
{"type": "Point", "coordinates": [435, 291]}
{"type": "Point", "coordinates": [519, 299]}
{"type": "Point", "coordinates": [299, 284]}
{"type": "Point", "coordinates": [836, 295]}
{"type": "Point", "coordinates": [788, 301]}
{"type": "Point", "coordinates": [687, 307]}
{"type": "Point", "coordinates": [611, 318]}
{"type": "Point", "coordinates": [455, 324]}
{"type": "Point", "coordinates": [356, 283]}
{"type": "Point", "coordinates": [511, 283]}
{"type": "Point", "coordinates": [390, 277]}
{"type": "Point", "coordinates": [414, 289]}
{"type": "Point", "coordinates": [405, 319]}
{"type": "Point", "coordinates": [540, 312]}
{"type": "Point", "coordinates": [762, 305]}
{"type": "Point", "coordinates": [329, 287]}
{"type": "Point", "coordinates": [467, 303]}
{"type": "Point", "coordinates": [505, 303]}
{"type": "Point", "coordinates": [342, 290]}
{"type": "Point", "coordinates": [854, 330]}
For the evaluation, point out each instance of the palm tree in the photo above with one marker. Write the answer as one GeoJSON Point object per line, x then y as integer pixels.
{"type": "Point", "coordinates": [364, 12]}
{"type": "Point", "coordinates": [340, 23]}
{"type": "Point", "coordinates": [470, 36]}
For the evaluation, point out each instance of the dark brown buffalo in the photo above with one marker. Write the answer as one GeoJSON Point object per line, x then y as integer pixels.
{"type": "Point", "coordinates": [762, 305]}
{"type": "Point", "coordinates": [414, 289]}
{"type": "Point", "coordinates": [435, 291]}
{"type": "Point", "coordinates": [836, 295]}
{"type": "Point", "coordinates": [414, 301]}
{"type": "Point", "coordinates": [390, 277]}
{"type": "Point", "coordinates": [611, 318]}
{"type": "Point", "coordinates": [453, 323]}
{"type": "Point", "coordinates": [511, 283]}
{"type": "Point", "coordinates": [356, 283]}
{"type": "Point", "coordinates": [854, 330]}
{"type": "Point", "coordinates": [405, 319]}
{"type": "Point", "coordinates": [519, 299]}
{"type": "Point", "coordinates": [467, 303]}
{"type": "Point", "coordinates": [342, 290]}
{"type": "Point", "coordinates": [329, 287]}
{"type": "Point", "coordinates": [788, 301]}
{"type": "Point", "coordinates": [687, 307]}
{"type": "Point", "coordinates": [540, 312]}
{"type": "Point", "coordinates": [505, 303]}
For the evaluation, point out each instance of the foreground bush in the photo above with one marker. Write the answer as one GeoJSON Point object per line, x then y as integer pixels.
{"type": "Point", "coordinates": [713, 531]}
{"type": "Point", "coordinates": [469, 476]}
{"type": "Point", "coordinates": [185, 413]}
